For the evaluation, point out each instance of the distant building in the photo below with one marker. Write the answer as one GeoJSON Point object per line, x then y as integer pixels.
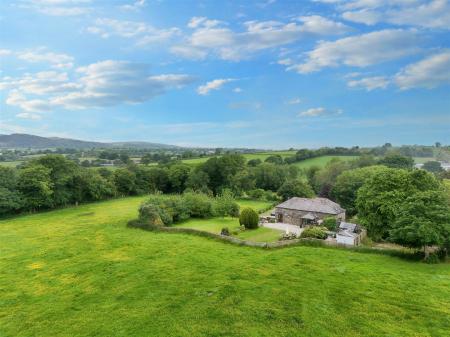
{"type": "Point", "coordinates": [304, 211]}
{"type": "Point", "coordinates": [349, 234]}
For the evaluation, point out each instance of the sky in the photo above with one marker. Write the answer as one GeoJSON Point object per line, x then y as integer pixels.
{"type": "Point", "coordinates": [260, 74]}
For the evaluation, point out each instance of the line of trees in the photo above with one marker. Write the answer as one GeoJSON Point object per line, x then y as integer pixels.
{"type": "Point", "coordinates": [54, 181]}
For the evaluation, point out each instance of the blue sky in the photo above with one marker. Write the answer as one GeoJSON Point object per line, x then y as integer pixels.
{"type": "Point", "coordinates": [267, 74]}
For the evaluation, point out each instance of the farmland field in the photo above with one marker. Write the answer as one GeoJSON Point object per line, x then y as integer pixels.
{"type": "Point", "coordinates": [10, 163]}
{"type": "Point", "coordinates": [321, 161]}
{"type": "Point", "coordinates": [81, 272]}
{"type": "Point", "coordinates": [248, 156]}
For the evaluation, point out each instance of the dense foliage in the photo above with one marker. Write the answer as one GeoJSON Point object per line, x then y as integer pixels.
{"type": "Point", "coordinates": [314, 233]}
{"type": "Point", "coordinates": [249, 218]}
{"type": "Point", "coordinates": [160, 209]}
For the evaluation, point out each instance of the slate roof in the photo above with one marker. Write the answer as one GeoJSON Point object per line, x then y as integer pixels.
{"type": "Point", "coordinates": [347, 226]}
{"type": "Point", "coordinates": [320, 205]}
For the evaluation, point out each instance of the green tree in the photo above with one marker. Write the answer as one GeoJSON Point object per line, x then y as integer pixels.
{"type": "Point", "coordinates": [270, 176]}
{"type": "Point", "coordinates": [197, 181]}
{"type": "Point", "coordinates": [295, 188]}
{"type": "Point", "coordinates": [10, 201]}
{"type": "Point", "coordinates": [62, 172]}
{"type": "Point", "coordinates": [36, 187]}
{"type": "Point", "coordinates": [423, 220]}
{"type": "Point", "coordinates": [178, 176]}
{"type": "Point", "coordinates": [380, 196]}
{"type": "Point", "coordinates": [125, 181]}
{"type": "Point", "coordinates": [433, 166]}
{"type": "Point", "coordinates": [274, 159]}
{"type": "Point", "coordinates": [347, 185]}
{"type": "Point", "coordinates": [249, 218]}
{"type": "Point", "coordinates": [395, 160]}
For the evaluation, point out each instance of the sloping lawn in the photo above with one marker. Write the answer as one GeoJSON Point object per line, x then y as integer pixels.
{"type": "Point", "coordinates": [215, 225]}
{"type": "Point", "coordinates": [81, 272]}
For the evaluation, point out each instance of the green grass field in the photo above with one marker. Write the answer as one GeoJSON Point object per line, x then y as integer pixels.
{"type": "Point", "coordinates": [10, 163]}
{"type": "Point", "coordinates": [248, 156]}
{"type": "Point", "coordinates": [321, 161]}
{"type": "Point", "coordinates": [81, 272]}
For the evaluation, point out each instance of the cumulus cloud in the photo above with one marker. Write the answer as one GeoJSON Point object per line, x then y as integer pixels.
{"type": "Point", "coordinates": [214, 38]}
{"type": "Point", "coordinates": [42, 55]}
{"type": "Point", "coordinates": [141, 31]}
{"type": "Point", "coordinates": [369, 83]}
{"type": "Point", "coordinates": [418, 13]}
{"type": "Point", "coordinates": [427, 73]}
{"type": "Point", "coordinates": [100, 84]}
{"type": "Point", "coordinates": [58, 7]}
{"type": "Point", "coordinates": [360, 50]}
{"type": "Point", "coordinates": [213, 85]}
{"type": "Point", "coordinates": [139, 4]}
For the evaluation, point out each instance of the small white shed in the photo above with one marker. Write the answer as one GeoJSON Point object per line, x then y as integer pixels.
{"type": "Point", "coordinates": [348, 234]}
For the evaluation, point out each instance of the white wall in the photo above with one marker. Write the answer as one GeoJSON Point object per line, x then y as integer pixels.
{"type": "Point", "coordinates": [346, 240]}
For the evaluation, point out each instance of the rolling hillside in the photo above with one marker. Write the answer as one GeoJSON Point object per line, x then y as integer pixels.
{"type": "Point", "coordinates": [81, 272]}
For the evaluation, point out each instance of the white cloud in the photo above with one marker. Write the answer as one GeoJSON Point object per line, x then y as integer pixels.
{"type": "Point", "coordinates": [100, 84]}
{"type": "Point", "coordinates": [417, 13]}
{"type": "Point", "coordinates": [139, 4]}
{"type": "Point", "coordinates": [360, 50]}
{"type": "Point", "coordinates": [141, 31]}
{"type": "Point", "coordinates": [29, 115]}
{"type": "Point", "coordinates": [5, 52]}
{"type": "Point", "coordinates": [237, 90]}
{"type": "Point", "coordinates": [313, 112]}
{"type": "Point", "coordinates": [214, 38]}
{"type": "Point", "coordinates": [39, 55]}
{"type": "Point", "coordinates": [213, 85]}
{"type": "Point", "coordinates": [316, 24]}
{"type": "Point", "coordinates": [427, 73]}
{"type": "Point", "coordinates": [58, 7]}
{"type": "Point", "coordinates": [369, 83]}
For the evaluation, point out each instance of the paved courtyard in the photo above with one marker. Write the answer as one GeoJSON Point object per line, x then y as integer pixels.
{"type": "Point", "coordinates": [283, 227]}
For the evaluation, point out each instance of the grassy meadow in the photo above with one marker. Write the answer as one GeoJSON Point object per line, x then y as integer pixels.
{"type": "Point", "coordinates": [248, 156]}
{"type": "Point", "coordinates": [81, 272]}
{"type": "Point", "coordinates": [321, 161]}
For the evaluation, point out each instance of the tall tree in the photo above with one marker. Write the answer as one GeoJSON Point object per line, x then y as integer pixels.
{"type": "Point", "coordinates": [423, 220]}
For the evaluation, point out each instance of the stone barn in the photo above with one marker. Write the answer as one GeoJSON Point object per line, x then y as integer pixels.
{"type": "Point", "coordinates": [304, 211]}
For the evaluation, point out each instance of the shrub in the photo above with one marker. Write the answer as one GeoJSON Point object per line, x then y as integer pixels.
{"type": "Point", "coordinates": [256, 194]}
{"type": "Point", "coordinates": [330, 223]}
{"type": "Point", "coordinates": [225, 231]}
{"type": "Point", "coordinates": [287, 236]}
{"type": "Point", "coordinates": [225, 205]}
{"type": "Point", "coordinates": [149, 214]}
{"type": "Point", "coordinates": [199, 205]}
{"type": "Point", "coordinates": [314, 232]}
{"type": "Point", "coordinates": [249, 218]}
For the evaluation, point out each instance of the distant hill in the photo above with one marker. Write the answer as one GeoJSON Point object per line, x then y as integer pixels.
{"type": "Point", "coordinates": [18, 140]}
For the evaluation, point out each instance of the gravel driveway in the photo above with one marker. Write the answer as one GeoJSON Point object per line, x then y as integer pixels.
{"type": "Point", "coordinates": [283, 227]}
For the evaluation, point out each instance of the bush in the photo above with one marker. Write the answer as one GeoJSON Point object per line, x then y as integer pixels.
{"type": "Point", "coordinates": [225, 205]}
{"type": "Point", "coordinates": [314, 232]}
{"type": "Point", "coordinates": [330, 223]}
{"type": "Point", "coordinates": [256, 194]}
{"type": "Point", "coordinates": [225, 231]}
{"type": "Point", "coordinates": [249, 218]}
{"type": "Point", "coordinates": [199, 205]}
{"type": "Point", "coordinates": [287, 236]}
{"type": "Point", "coordinates": [149, 214]}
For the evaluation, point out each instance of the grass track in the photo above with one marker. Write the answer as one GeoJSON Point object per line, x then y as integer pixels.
{"type": "Point", "coordinates": [81, 272]}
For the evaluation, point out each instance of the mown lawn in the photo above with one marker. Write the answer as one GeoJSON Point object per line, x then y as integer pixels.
{"type": "Point", "coordinates": [82, 272]}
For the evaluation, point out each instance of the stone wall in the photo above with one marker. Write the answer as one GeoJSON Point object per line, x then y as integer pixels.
{"type": "Point", "coordinates": [294, 217]}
